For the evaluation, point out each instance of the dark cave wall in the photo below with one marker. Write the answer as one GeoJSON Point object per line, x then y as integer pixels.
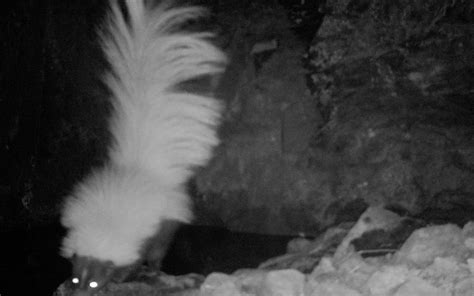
{"type": "Point", "coordinates": [389, 99]}
{"type": "Point", "coordinates": [53, 107]}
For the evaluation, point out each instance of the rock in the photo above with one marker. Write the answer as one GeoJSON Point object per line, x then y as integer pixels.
{"type": "Point", "coordinates": [464, 287]}
{"type": "Point", "coordinates": [325, 266]}
{"type": "Point", "coordinates": [373, 218]}
{"type": "Point", "coordinates": [355, 272]}
{"type": "Point", "coordinates": [329, 287]}
{"type": "Point", "coordinates": [287, 282]}
{"type": "Point", "coordinates": [470, 264]}
{"type": "Point", "coordinates": [250, 280]}
{"type": "Point", "coordinates": [425, 244]}
{"type": "Point", "coordinates": [468, 229]}
{"type": "Point", "coordinates": [445, 273]}
{"type": "Point", "coordinates": [468, 232]}
{"type": "Point", "coordinates": [219, 284]}
{"type": "Point", "coordinates": [385, 281]}
{"type": "Point", "coordinates": [469, 243]}
{"type": "Point", "coordinates": [299, 244]}
{"type": "Point", "coordinates": [416, 286]}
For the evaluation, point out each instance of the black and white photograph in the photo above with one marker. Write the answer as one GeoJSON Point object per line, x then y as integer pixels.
{"type": "Point", "coordinates": [237, 147]}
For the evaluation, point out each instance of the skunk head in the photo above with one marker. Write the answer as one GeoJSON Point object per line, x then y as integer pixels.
{"type": "Point", "coordinates": [89, 275]}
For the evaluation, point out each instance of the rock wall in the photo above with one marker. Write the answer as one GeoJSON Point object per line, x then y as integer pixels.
{"type": "Point", "coordinates": [385, 118]}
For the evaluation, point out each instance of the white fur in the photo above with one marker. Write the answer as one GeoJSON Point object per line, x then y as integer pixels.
{"type": "Point", "coordinates": [160, 134]}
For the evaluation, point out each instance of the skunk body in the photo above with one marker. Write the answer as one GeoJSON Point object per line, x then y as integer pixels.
{"type": "Point", "coordinates": [124, 211]}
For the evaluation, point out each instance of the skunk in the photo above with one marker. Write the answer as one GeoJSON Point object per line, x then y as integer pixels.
{"type": "Point", "coordinates": [127, 211]}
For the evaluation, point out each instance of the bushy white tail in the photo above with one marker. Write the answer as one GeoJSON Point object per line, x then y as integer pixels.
{"type": "Point", "coordinates": [156, 126]}
{"type": "Point", "coordinates": [160, 133]}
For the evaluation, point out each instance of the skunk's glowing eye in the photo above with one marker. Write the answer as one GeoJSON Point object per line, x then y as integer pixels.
{"type": "Point", "coordinates": [75, 280]}
{"type": "Point", "coordinates": [93, 285]}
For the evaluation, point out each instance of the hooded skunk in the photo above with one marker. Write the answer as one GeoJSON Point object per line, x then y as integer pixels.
{"type": "Point", "coordinates": [127, 211]}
